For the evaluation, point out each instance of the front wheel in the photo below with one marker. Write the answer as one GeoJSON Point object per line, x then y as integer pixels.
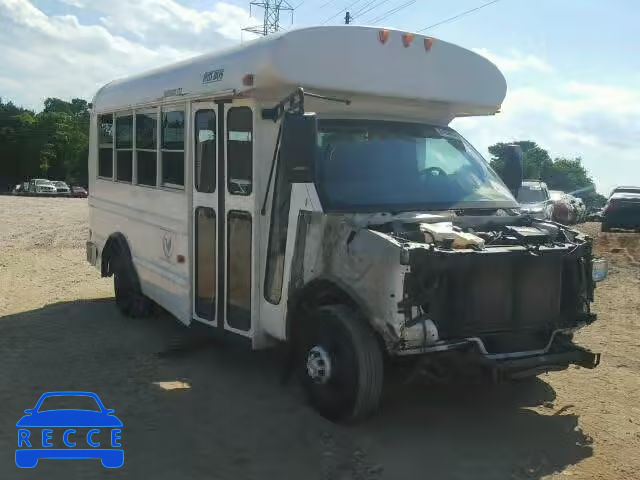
{"type": "Point", "coordinates": [340, 364]}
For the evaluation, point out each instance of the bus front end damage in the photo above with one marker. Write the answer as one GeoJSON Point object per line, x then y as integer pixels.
{"type": "Point", "coordinates": [503, 293]}
{"type": "Point", "coordinates": [512, 304]}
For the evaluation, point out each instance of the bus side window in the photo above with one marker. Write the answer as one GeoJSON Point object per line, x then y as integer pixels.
{"type": "Point", "coordinates": [277, 237]}
{"type": "Point", "coordinates": [105, 146]}
{"type": "Point", "coordinates": [205, 265]}
{"type": "Point", "coordinates": [173, 148]}
{"type": "Point", "coordinates": [240, 151]}
{"type": "Point", "coordinates": [124, 148]}
{"type": "Point", "coordinates": [205, 152]}
{"type": "Point", "coordinates": [239, 270]}
{"type": "Point", "coordinates": [146, 147]}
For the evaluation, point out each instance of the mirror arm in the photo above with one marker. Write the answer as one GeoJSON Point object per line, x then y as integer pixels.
{"type": "Point", "coordinates": [263, 210]}
{"type": "Point", "coordinates": [294, 103]}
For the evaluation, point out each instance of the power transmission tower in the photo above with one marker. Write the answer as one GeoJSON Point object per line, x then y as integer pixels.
{"type": "Point", "coordinates": [271, 22]}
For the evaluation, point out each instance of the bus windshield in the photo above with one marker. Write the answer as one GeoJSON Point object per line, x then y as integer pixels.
{"type": "Point", "coordinates": [365, 165]}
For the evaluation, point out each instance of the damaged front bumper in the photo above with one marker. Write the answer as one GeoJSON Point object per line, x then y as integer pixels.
{"type": "Point", "coordinates": [537, 364]}
{"type": "Point", "coordinates": [558, 354]}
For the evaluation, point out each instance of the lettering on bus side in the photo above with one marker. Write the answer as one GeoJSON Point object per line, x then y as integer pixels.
{"type": "Point", "coordinates": [173, 92]}
{"type": "Point", "coordinates": [213, 76]}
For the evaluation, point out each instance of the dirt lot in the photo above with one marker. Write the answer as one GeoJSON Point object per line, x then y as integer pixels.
{"type": "Point", "coordinates": [231, 418]}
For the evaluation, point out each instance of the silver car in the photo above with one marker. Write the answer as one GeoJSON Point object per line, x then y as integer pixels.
{"type": "Point", "coordinates": [42, 185]}
{"type": "Point", "coordinates": [62, 188]}
{"type": "Point", "coordinates": [534, 199]}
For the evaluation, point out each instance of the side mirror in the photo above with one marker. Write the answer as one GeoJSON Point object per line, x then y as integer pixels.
{"type": "Point", "coordinates": [512, 174]}
{"type": "Point", "coordinates": [298, 146]}
{"type": "Point", "coordinates": [29, 410]}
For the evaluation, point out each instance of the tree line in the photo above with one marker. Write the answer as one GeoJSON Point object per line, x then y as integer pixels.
{"type": "Point", "coordinates": [54, 143]}
{"type": "Point", "coordinates": [566, 174]}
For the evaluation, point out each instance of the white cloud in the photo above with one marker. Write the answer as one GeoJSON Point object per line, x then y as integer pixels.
{"type": "Point", "coordinates": [515, 61]}
{"type": "Point", "coordinates": [74, 3]}
{"type": "Point", "coordinates": [169, 22]}
{"type": "Point", "coordinates": [598, 122]}
{"type": "Point", "coordinates": [56, 55]}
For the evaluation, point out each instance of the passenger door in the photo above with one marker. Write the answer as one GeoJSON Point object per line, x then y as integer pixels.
{"type": "Point", "coordinates": [223, 210]}
{"type": "Point", "coordinates": [205, 212]}
{"type": "Point", "coordinates": [239, 208]}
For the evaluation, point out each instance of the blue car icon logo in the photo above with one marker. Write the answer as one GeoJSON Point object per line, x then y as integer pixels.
{"type": "Point", "coordinates": [87, 431]}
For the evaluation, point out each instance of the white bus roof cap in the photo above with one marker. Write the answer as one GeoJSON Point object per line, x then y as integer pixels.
{"type": "Point", "coordinates": [364, 61]}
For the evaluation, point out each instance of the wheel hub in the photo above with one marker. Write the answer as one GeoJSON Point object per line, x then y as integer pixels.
{"type": "Point", "coordinates": [319, 365]}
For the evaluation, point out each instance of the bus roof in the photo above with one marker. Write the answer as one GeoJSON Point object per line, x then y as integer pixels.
{"type": "Point", "coordinates": [362, 61]}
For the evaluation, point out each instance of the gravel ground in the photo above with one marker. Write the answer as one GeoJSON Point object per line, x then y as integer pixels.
{"type": "Point", "coordinates": [194, 408]}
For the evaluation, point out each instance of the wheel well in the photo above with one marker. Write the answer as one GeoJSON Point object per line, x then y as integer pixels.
{"type": "Point", "coordinates": [322, 292]}
{"type": "Point", "coordinates": [115, 246]}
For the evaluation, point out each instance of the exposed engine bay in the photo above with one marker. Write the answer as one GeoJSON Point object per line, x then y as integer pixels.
{"type": "Point", "coordinates": [506, 283]}
{"type": "Point", "coordinates": [498, 286]}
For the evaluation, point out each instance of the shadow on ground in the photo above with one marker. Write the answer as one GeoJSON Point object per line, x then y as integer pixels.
{"type": "Point", "coordinates": [238, 421]}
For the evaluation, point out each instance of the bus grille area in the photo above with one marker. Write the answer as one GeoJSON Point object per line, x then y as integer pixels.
{"type": "Point", "coordinates": [512, 299]}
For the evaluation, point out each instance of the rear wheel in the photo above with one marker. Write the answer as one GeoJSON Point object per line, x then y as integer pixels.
{"type": "Point", "coordinates": [129, 297]}
{"type": "Point", "coordinates": [340, 364]}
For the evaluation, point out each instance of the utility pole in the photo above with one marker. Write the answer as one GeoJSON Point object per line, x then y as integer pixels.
{"type": "Point", "coordinates": [271, 19]}
{"type": "Point", "coordinates": [347, 18]}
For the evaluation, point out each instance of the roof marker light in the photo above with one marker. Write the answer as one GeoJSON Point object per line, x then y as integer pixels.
{"type": "Point", "coordinates": [428, 43]}
{"type": "Point", "coordinates": [407, 39]}
{"type": "Point", "coordinates": [383, 36]}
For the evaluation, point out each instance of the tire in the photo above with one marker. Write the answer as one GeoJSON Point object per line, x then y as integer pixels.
{"type": "Point", "coordinates": [129, 297]}
{"type": "Point", "coordinates": [350, 387]}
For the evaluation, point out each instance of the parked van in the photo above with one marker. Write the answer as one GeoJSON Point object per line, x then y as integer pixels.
{"type": "Point", "coordinates": [305, 188]}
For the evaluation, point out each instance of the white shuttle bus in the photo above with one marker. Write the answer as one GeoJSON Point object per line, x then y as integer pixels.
{"type": "Point", "coordinates": [306, 188]}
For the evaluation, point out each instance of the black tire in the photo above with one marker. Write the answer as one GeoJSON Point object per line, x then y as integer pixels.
{"type": "Point", "coordinates": [352, 388]}
{"type": "Point", "coordinates": [129, 297]}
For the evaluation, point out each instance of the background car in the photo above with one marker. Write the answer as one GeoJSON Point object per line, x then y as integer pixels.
{"type": "Point", "coordinates": [622, 211]}
{"type": "Point", "coordinates": [563, 212]}
{"type": "Point", "coordinates": [534, 199]}
{"type": "Point", "coordinates": [595, 215]}
{"type": "Point", "coordinates": [626, 189]}
{"type": "Point", "coordinates": [41, 185]}
{"type": "Point", "coordinates": [79, 192]}
{"type": "Point", "coordinates": [61, 187]}
{"type": "Point", "coordinates": [580, 210]}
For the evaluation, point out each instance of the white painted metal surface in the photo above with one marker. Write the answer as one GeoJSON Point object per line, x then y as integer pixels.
{"type": "Point", "coordinates": [341, 59]}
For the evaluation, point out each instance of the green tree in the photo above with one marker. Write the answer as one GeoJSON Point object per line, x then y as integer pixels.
{"type": "Point", "coordinates": [52, 143]}
{"type": "Point", "coordinates": [566, 174]}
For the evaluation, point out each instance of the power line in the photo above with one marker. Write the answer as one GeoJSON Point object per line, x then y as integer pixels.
{"type": "Point", "coordinates": [341, 11]}
{"type": "Point", "coordinates": [363, 7]}
{"type": "Point", "coordinates": [461, 14]}
{"type": "Point", "coordinates": [393, 11]}
{"type": "Point", "coordinates": [373, 7]}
